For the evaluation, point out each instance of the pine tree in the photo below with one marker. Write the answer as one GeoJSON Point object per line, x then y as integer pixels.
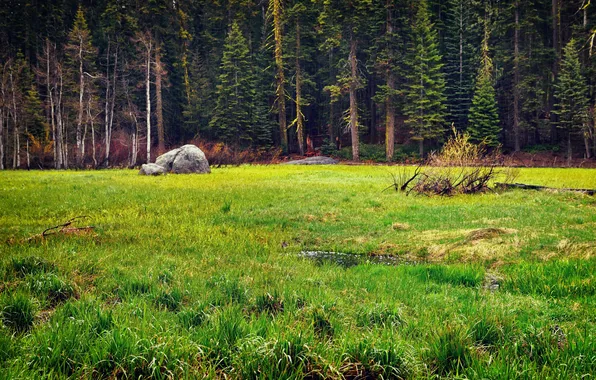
{"type": "Point", "coordinates": [461, 41]}
{"type": "Point", "coordinates": [388, 51]}
{"type": "Point", "coordinates": [232, 118]}
{"type": "Point", "coordinates": [571, 95]}
{"type": "Point", "coordinates": [81, 55]}
{"type": "Point", "coordinates": [484, 114]}
{"type": "Point", "coordinates": [425, 95]}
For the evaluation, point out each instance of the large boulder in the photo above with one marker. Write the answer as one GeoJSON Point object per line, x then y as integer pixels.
{"type": "Point", "coordinates": [317, 160]}
{"type": "Point", "coordinates": [186, 159]}
{"type": "Point", "coordinates": [166, 160]}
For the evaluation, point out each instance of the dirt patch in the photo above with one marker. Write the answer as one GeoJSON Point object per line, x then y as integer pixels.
{"type": "Point", "coordinates": [400, 226]}
{"type": "Point", "coordinates": [487, 233]}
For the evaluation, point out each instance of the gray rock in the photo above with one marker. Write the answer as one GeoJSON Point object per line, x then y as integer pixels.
{"type": "Point", "coordinates": [190, 159]}
{"type": "Point", "coordinates": [167, 159]}
{"type": "Point", "coordinates": [317, 160]}
{"type": "Point", "coordinates": [152, 169]}
{"type": "Point", "coordinates": [186, 159]}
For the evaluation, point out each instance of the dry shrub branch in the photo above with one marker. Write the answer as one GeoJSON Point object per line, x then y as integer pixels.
{"type": "Point", "coordinates": [461, 167]}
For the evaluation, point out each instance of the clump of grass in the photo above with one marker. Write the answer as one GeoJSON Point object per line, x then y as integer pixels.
{"type": "Point", "coordinates": [540, 344]}
{"type": "Point", "coordinates": [271, 304]}
{"type": "Point", "coordinates": [23, 266]}
{"type": "Point", "coordinates": [487, 332]}
{"type": "Point", "coordinates": [165, 277]}
{"type": "Point", "coordinates": [128, 288]}
{"type": "Point", "coordinates": [8, 347]}
{"type": "Point", "coordinates": [379, 315]}
{"type": "Point", "coordinates": [458, 275]}
{"type": "Point", "coordinates": [17, 312]}
{"type": "Point", "coordinates": [54, 289]}
{"type": "Point", "coordinates": [231, 290]}
{"type": "Point", "coordinates": [169, 299]}
{"type": "Point", "coordinates": [560, 278]}
{"type": "Point", "coordinates": [449, 350]}
{"type": "Point", "coordinates": [226, 207]}
{"type": "Point", "coordinates": [275, 359]}
{"type": "Point", "coordinates": [321, 325]}
{"type": "Point", "coordinates": [192, 318]}
{"type": "Point", "coordinates": [365, 361]}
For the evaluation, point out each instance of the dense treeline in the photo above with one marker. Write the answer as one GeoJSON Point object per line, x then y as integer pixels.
{"type": "Point", "coordinates": [115, 82]}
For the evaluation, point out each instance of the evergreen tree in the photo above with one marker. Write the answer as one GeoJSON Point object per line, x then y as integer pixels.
{"type": "Point", "coordinates": [571, 93]}
{"type": "Point", "coordinates": [461, 58]}
{"type": "Point", "coordinates": [81, 56]}
{"type": "Point", "coordinates": [232, 117]}
{"type": "Point", "coordinates": [484, 115]}
{"type": "Point", "coordinates": [425, 95]}
{"type": "Point", "coordinates": [345, 24]}
{"type": "Point", "coordinates": [389, 50]}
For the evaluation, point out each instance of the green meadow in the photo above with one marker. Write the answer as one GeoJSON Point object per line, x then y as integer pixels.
{"type": "Point", "coordinates": [188, 276]}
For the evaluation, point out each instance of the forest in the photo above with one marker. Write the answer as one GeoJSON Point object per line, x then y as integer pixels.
{"type": "Point", "coordinates": [115, 82]}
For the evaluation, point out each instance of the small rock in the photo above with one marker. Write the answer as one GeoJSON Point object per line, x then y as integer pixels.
{"type": "Point", "coordinates": [317, 160]}
{"type": "Point", "coordinates": [492, 282]}
{"type": "Point", "coordinates": [152, 169]}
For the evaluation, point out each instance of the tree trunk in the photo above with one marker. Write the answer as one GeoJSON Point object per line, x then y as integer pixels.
{"type": "Point", "coordinates": [51, 97]}
{"type": "Point", "coordinates": [516, 84]}
{"type": "Point", "coordinates": [421, 148]}
{"type": "Point", "coordinates": [556, 48]}
{"type": "Point", "coordinates": [3, 97]}
{"type": "Point", "coordinates": [91, 121]}
{"type": "Point", "coordinates": [135, 143]}
{"type": "Point", "coordinates": [60, 147]}
{"type": "Point", "coordinates": [161, 145]}
{"type": "Point", "coordinates": [16, 159]}
{"type": "Point", "coordinates": [569, 152]}
{"type": "Point", "coordinates": [299, 115]}
{"type": "Point", "coordinates": [79, 131]}
{"type": "Point", "coordinates": [353, 101]}
{"type": "Point", "coordinates": [148, 98]}
{"type": "Point", "coordinates": [389, 107]}
{"type": "Point", "coordinates": [2, 136]}
{"type": "Point", "coordinates": [330, 127]}
{"type": "Point", "coordinates": [107, 103]}
{"type": "Point", "coordinates": [280, 92]}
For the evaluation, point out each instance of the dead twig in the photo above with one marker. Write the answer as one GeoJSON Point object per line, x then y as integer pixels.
{"type": "Point", "coordinates": [63, 229]}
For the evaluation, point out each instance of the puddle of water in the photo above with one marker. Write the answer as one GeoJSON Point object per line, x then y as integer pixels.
{"type": "Point", "coordinates": [348, 260]}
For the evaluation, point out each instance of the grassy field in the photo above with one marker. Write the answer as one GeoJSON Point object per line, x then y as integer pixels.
{"type": "Point", "coordinates": [200, 276]}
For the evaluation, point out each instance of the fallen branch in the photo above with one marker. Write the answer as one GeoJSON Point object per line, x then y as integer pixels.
{"type": "Point", "coordinates": [537, 187]}
{"type": "Point", "coordinates": [63, 229]}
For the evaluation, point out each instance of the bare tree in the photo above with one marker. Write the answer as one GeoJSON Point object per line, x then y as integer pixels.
{"type": "Point", "coordinates": [79, 46]}
{"type": "Point", "coordinates": [159, 72]}
{"type": "Point", "coordinates": [3, 84]}
{"type": "Point", "coordinates": [280, 93]}
{"type": "Point", "coordinates": [146, 40]}
{"type": "Point", "coordinates": [110, 98]}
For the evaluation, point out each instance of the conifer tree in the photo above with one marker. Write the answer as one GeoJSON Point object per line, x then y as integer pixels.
{"type": "Point", "coordinates": [235, 92]}
{"type": "Point", "coordinates": [484, 116]}
{"type": "Point", "coordinates": [571, 95]}
{"type": "Point", "coordinates": [81, 55]}
{"type": "Point", "coordinates": [425, 95]}
{"type": "Point", "coordinates": [461, 42]}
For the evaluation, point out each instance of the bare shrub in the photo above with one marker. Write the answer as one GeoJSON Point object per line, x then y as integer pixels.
{"type": "Point", "coordinates": [220, 154]}
{"type": "Point", "coordinates": [461, 167]}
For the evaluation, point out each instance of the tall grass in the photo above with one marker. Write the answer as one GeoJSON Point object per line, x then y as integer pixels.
{"type": "Point", "coordinates": [177, 284]}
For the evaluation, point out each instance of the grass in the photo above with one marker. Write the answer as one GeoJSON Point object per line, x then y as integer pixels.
{"type": "Point", "coordinates": [192, 276]}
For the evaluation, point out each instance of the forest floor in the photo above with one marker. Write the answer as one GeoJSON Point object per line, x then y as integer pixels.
{"type": "Point", "coordinates": [202, 275]}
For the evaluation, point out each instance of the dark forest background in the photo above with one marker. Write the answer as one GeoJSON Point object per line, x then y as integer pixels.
{"type": "Point", "coordinates": [117, 82]}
